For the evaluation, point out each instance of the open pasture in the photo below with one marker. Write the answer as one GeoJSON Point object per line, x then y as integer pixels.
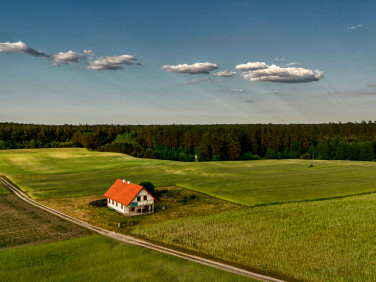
{"type": "Point", "coordinates": [57, 173]}
{"type": "Point", "coordinates": [97, 258]}
{"type": "Point", "coordinates": [329, 240]}
{"type": "Point", "coordinates": [54, 173]}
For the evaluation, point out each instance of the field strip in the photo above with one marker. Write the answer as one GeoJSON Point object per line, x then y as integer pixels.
{"type": "Point", "coordinates": [136, 241]}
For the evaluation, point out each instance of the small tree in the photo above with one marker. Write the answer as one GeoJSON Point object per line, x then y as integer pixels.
{"type": "Point", "coordinates": [149, 186]}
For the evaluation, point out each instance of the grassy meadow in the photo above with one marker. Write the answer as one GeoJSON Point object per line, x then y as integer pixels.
{"type": "Point", "coordinates": [3, 190]}
{"type": "Point", "coordinates": [56, 173]}
{"type": "Point", "coordinates": [278, 230]}
{"type": "Point", "coordinates": [329, 240]}
{"type": "Point", "coordinates": [97, 258]}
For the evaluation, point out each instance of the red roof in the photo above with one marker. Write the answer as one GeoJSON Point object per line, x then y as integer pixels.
{"type": "Point", "coordinates": [124, 193]}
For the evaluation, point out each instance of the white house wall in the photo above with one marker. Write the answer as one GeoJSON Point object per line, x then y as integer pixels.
{"type": "Point", "coordinates": [149, 199]}
{"type": "Point", "coordinates": [117, 206]}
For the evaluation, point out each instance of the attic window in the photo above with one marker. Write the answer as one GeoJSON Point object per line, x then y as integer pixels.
{"type": "Point", "coordinates": [145, 198]}
{"type": "Point", "coordinates": [138, 198]}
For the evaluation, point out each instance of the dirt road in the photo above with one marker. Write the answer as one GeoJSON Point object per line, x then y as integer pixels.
{"type": "Point", "coordinates": [136, 241]}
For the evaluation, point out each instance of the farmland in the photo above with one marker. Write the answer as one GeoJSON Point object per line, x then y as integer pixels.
{"type": "Point", "coordinates": [330, 240]}
{"type": "Point", "coordinates": [57, 173]}
{"type": "Point", "coordinates": [97, 258]}
{"type": "Point", "coordinates": [23, 224]}
{"type": "Point", "coordinates": [279, 217]}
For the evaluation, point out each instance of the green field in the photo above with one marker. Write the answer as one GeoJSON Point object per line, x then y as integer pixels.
{"type": "Point", "coordinates": [54, 173]}
{"type": "Point", "coordinates": [330, 240]}
{"type": "Point", "coordinates": [295, 239]}
{"type": "Point", "coordinates": [97, 258]}
{"type": "Point", "coordinates": [3, 190]}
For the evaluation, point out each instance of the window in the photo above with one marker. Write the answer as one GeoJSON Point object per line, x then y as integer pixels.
{"type": "Point", "coordinates": [116, 204]}
{"type": "Point", "coordinates": [132, 209]}
{"type": "Point", "coordinates": [122, 206]}
{"type": "Point", "coordinates": [145, 198]}
{"type": "Point", "coordinates": [138, 198]}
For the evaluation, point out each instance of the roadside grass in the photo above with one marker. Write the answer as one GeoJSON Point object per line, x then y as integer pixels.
{"type": "Point", "coordinates": [57, 173]}
{"type": "Point", "coordinates": [24, 224]}
{"type": "Point", "coordinates": [202, 204]}
{"type": "Point", "coordinates": [330, 240]}
{"type": "Point", "coordinates": [3, 189]}
{"type": "Point", "coordinates": [97, 258]}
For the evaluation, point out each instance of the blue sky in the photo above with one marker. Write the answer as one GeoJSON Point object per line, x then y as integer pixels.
{"type": "Point", "coordinates": [309, 61]}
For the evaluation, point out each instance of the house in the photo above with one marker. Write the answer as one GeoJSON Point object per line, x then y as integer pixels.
{"type": "Point", "coordinates": [130, 199]}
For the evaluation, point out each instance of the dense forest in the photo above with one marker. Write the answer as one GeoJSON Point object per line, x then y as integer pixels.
{"type": "Point", "coordinates": [334, 141]}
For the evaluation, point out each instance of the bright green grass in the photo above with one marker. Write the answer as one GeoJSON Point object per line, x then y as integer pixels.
{"type": "Point", "coordinates": [97, 258]}
{"type": "Point", "coordinates": [55, 173]}
{"type": "Point", "coordinates": [330, 240]}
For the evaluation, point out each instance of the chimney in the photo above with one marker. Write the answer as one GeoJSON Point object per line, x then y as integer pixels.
{"type": "Point", "coordinates": [128, 182]}
{"type": "Point", "coordinates": [124, 181]}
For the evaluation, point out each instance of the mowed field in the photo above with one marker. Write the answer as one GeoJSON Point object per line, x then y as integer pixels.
{"type": "Point", "coordinates": [54, 173]}
{"type": "Point", "coordinates": [288, 236]}
{"type": "Point", "coordinates": [97, 258]}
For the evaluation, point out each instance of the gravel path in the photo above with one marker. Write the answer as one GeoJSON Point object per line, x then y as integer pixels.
{"type": "Point", "coordinates": [136, 241]}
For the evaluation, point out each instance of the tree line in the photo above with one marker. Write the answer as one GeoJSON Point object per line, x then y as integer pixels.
{"type": "Point", "coordinates": [340, 141]}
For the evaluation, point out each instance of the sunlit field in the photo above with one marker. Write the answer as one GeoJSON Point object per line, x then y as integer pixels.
{"type": "Point", "coordinates": [329, 240]}
{"type": "Point", "coordinates": [97, 258]}
{"type": "Point", "coordinates": [54, 173]}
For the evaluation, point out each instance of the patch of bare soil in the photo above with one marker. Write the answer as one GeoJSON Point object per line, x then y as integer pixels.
{"type": "Point", "coordinates": [24, 224]}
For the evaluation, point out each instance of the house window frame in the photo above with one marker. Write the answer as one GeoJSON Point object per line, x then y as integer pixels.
{"type": "Point", "coordinates": [138, 198]}
{"type": "Point", "coordinates": [145, 198]}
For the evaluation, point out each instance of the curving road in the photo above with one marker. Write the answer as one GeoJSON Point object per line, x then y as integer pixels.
{"type": "Point", "coordinates": [136, 241]}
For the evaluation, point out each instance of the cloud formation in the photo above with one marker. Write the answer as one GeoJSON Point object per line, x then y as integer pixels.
{"type": "Point", "coordinates": [355, 26]}
{"type": "Point", "coordinates": [111, 63]}
{"type": "Point", "coordinates": [65, 58]}
{"type": "Point", "coordinates": [225, 73]}
{"type": "Point", "coordinates": [283, 75]}
{"type": "Point", "coordinates": [195, 68]}
{"type": "Point", "coordinates": [20, 47]}
{"type": "Point", "coordinates": [251, 66]}
{"type": "Point", "coordinates": [194, 81]}
{"type": "Point", "coordinates": [291, 64]}
{"type": "Point", "coordinates": [237, 90]}
{"type": "Point", "coordinates": [89, 53]}
{"type": "Point", "coordinates": [280, 59]}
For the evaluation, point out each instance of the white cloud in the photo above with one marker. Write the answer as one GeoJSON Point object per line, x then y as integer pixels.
{"type": "Point", "coordinates": [284, 75]}
{"type": "Point", "coordinates": [237, 90]}
{"type": "Point", "coordinates": [20, 47]}
{"type": "Point", "coordinates": [111, 63]}
{"type": "Point", "coordinates": [89, 53]}
{"type": "Point", "coordinates": [275, 92]}
{"type": "Point", "coordinates": [191, 69]}
{"type": "Point", "coordinates": [355, 26]}
{"type": "Point", "coordinates": [251, 66]}
{"type": "Point", "coordinates": [291, 64]}
{"type": "Point", "coordinates": [280, 59]}
{"type": "Point", "coordinates": [225, 73]}
{"type": "Point", "coordinates": [65, 58]}
{"type": "Point", "coordinates": [194, 81]}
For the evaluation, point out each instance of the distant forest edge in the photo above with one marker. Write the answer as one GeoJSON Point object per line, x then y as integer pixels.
{"type": "Point", "coordinates": [332, 141]}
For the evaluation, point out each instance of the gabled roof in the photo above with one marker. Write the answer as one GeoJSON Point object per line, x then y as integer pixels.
{"type": "Point", "coordinates": [124, 193]}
